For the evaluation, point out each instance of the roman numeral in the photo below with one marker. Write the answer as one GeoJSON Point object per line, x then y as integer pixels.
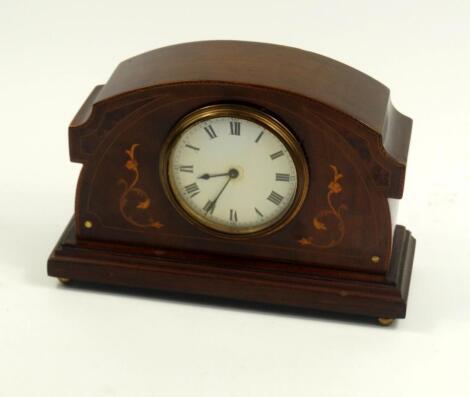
{"type": "Point", "coordinates": [233, 216]}
{"type": "Point", "coordinates": [282, 177]}
{"type": "Point", "coordinates": [234, 128]}
{"type": "Point", "coordinates": [275, 198]}
{"type": "Point", "coordinates": [192, 189]}
{"type": "Point", "coordinates": [259, 212]}
{"type": "Point", "coordinates": [210, 131]}
{"type": "Point", "coordinates": [209, 207]}
{"type": "Point", "coordinates": [192, 147]}
{"type": "Point", "coordinates": [259, 136]}
{"type": "Point", "coordinates": [187, 168]}
{"type": "Point", "coordinates": [277, 154]}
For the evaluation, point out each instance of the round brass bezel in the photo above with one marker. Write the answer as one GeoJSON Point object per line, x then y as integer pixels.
{"type": "Point", "coordinates": [250, 114]}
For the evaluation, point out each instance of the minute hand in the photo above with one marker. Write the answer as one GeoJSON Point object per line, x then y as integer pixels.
{"type": "Point", "coordinates": [212, 205]}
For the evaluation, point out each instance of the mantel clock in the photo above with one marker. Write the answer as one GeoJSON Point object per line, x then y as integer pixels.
{"type": "Point", "coordinates": [243, 171]}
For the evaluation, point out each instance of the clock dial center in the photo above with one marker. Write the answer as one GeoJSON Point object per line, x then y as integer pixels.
{"type": "Point", "coordinates": [233, 173]}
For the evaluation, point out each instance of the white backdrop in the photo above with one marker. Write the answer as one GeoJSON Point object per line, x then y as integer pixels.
{"type": "Point", "coordinates": [57, 341]}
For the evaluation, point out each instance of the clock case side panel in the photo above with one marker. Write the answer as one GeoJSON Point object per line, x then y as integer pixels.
{"type": "Point", "coordinates": [264, 98]}
{"type": "Point", "coordinates": [396, 136]}
{"type": "Point", "coordinates": [396, 139]}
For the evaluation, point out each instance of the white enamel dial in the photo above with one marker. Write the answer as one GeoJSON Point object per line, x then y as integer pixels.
{"type": "Point", "coordinates": [232, 174]}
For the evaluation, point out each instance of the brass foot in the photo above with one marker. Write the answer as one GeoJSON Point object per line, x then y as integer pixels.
{"type": "Point", "coordinates": [385, 321]}
{"type": "Point", "coordinates": [64, 280]}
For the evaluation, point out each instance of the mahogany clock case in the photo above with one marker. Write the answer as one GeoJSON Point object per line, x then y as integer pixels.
{"type": "Point", "coordinates": [341, 252]}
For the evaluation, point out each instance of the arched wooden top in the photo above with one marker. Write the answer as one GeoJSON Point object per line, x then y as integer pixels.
{"type": "Point", "coordinates": [280, 67]}
{"type": "Point", "coordinates": [277, 68]}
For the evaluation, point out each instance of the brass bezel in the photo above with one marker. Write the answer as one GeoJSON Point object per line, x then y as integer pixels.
{"type": "Point", "coordinates": [247, 113]}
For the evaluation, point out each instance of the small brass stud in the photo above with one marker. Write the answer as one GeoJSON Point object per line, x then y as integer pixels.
{"type": "Point", "coordinates": [385, 322]}
{"type": "Point", "coordinates": [88, 224]}
{"type": "Point", "coordinates": [375, 259]}
{"type": "Point", "coordinates": [64, 280]}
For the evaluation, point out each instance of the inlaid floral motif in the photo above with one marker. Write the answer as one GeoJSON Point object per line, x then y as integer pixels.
{"type": "Point", "coordinates": [134, 202]}
{"type": "Point", "coordinates": [328, 223]}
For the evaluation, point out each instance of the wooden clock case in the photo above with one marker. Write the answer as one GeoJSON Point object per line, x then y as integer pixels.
{"type": "Point", "coordinates": [342, 252]}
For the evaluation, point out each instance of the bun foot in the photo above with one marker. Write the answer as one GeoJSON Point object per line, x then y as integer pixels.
{"type": "Point", "coordinates": [385, 321]}
{"type": "Point", "coordinates": [64, 280]}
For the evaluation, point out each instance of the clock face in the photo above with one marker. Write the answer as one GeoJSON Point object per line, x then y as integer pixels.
{"type": "Point", "coordinates": [234, 170]}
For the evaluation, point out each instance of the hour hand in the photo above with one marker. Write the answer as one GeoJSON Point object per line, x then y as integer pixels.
{"type": "Point", "coordinates": [207, 176]}
{"type": "Point", "coordinates": [232, 173]}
